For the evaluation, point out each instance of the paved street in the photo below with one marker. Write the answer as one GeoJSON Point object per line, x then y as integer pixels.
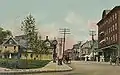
{"type": "Point", "coordinates": [88, 68]}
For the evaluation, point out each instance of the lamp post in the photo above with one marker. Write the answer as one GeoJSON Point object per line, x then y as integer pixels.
{"type": "Point", "coordinates": [54, 50]}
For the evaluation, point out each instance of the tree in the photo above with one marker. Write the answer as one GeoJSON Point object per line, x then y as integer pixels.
{"type": "Point", "coordinates": [34, 41]}
{"type": "Point", "coordinates": [29, 29]}
{"type": "Point", "coordinates": [4, 34]}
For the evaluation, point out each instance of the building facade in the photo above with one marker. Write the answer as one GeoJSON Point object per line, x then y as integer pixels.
{"type": "Point", "coordinates": [17, 48]}
{"type": "Point", "coordinates": [10, 48]}
{"type": "Point", "coordinates": [109, 33]}
{"type": "Point", "coordinates": [70, 53]}
{"type": "Point", "coordinates": [89, 49]}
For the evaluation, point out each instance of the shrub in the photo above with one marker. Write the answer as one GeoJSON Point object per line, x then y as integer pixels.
{"type": "Point", "coordinates": [22, 64]}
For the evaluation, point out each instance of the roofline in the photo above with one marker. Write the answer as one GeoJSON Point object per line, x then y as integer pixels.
{"type": "Point", "coordinates": [8, 39]}
{"type": "Point", "coordinates": [115, 8]}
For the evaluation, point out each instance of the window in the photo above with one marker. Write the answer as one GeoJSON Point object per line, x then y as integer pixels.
{"type": "Point", "coordinates": [111, 28]}
{"type": "Point", "coordinates": [106, 38]}
{"type": "Point", "coordinates": [110, 38]}
{"type": "Point", "coordinates": [14, 47]}
{"type": "Point", "coordinates": [31, 55]}
{"type": "Point", "coordinates": [116, 37]}
{"type": "Point", "coordinates": [5, 46]}
{"type": "Point", "coordinates": [20, 55]}
{"type": "Point", "coordinates": [108, 31]}
{"type": "Point", "coordinates": [110, 19]}
{"type": "Point", "coordinates": [36, 55]}
{"type": "Point", "coordinates": [113, 37]}
{"type": "Point", "coordinates": [115, 26]}
{"type": "Point", "coordinates": [10, 41]}
{"type": "Point", "coordinates": [115, 15]}
{"type": "Point", "coordinates": [107, 21]}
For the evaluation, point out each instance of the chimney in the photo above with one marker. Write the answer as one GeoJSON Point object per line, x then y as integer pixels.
{"type": "Point", "coordinates": [46, 37]}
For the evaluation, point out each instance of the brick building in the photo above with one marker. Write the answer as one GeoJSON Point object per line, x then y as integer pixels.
{"type": "Point", "coordinates": [109, 32]}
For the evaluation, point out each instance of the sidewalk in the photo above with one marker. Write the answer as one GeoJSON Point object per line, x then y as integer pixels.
{"type": "Point", "coordinates": [53, 66]}
{"type": "Point", "coordinates": [93, 62]}
{"type": "Point", "coordinates": [50, 67]}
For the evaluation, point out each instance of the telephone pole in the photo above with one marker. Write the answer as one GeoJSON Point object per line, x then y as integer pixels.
{"type": "Point", "coordinates": [60, 56]}
{"type": "Point", "coordinates": [60, 45]}
{"type": "Point", "coordinates": [64, 31]}
{"type": "Point", "coordinates": [93, 33]}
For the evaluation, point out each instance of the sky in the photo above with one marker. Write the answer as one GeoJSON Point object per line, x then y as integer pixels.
{"type": "Point", "coordinates": [80, 16]}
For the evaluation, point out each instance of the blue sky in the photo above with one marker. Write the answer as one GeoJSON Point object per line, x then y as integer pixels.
{"type": "Point", "coordinates": [77, 15]}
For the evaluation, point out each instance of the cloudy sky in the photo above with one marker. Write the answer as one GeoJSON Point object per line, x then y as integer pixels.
{"type": "Point", "coordinates": [78, 15]}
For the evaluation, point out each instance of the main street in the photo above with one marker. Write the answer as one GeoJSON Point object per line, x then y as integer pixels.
{"type": "Point", "coordinates": [88, 68]}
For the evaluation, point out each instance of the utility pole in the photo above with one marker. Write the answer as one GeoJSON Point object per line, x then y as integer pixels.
{"type": "Point", "coordinates": [93, 33]}
{"type": "Point", "coordinates": [60, 51]}
{"type": "Point", "coordinates": [64, 31]}
{"type": "Point", "coordinates": [60, 45]}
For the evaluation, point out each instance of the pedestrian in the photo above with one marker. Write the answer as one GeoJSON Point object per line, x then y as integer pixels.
{"type": "Point", "coordinates": [117, 60]}
{"type": "Point", "coordinates": [110, 60]}
{"type": "Point", "coordinates": [102, 58]}
{"type": "Point", "coordinates": [98, 58]}
{"type": "Point", "coordinates": [87, 58]}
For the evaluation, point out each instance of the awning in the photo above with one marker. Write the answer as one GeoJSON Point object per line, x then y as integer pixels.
{"type": "Point", "coordinates": [91, 54]}
{"type": "Point", "coordinates": [108, 46]}
{"type": "Point", "coordinates": [102, 32]}
{"type": "Point", "coordinates": [102, 40]}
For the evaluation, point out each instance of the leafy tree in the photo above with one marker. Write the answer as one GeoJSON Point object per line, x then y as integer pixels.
{"type": "Point", "coordinates": [4, 34]}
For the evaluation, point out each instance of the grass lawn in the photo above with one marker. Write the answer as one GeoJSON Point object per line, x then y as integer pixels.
{"type": "Point", "coordinates": [22, 64]}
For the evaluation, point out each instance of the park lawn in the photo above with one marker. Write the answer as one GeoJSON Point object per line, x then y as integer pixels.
{"type": "Point", "coordinates": [22, 64]}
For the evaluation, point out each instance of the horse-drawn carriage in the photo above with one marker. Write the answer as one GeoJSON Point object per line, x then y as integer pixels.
{"type": "Point", "coordinates": [67, 59]}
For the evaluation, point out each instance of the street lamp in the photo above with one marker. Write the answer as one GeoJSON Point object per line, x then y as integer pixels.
{"type": "Point", "coordinates": [54, 42]}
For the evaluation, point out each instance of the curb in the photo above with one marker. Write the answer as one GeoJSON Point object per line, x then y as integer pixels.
{"type": "Point", "coordinates": [33, 71]}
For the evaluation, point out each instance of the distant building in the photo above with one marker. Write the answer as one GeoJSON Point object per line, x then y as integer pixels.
{"type": "Point", "coordinates": [86, 48]}
{"type": "Point", "coordinates": [109, 33]}
{"type": "Point", "coordinates": [70, 53]}
{"type": "Point", "coordinates": [10, 48]}
{"type": "Point", "coordinates": [17, 48]}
